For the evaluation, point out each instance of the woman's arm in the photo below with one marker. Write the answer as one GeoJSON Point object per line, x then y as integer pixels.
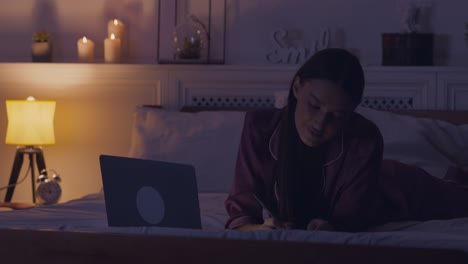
{"type": "Point", "coordinates": [245, 213]}
{"type": "Point", "coordinates": [318, 224]}
{"type": "Point", "coordinates": [357, 204]}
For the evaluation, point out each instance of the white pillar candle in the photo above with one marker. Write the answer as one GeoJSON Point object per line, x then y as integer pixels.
{"type": "Point", "coordinates": [115, 27]}
{"type": "Point", "coordinates": [85, 50]}
{"type": "Point", "coordinates": [112, 49]}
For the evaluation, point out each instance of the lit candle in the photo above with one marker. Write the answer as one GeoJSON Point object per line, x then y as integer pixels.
{"type": "Point", "coordinates": [85, 50]}
{"type": "Point", "coordinates": [115, 27]}
{"type": "Point", "coordinates": [112, 47]}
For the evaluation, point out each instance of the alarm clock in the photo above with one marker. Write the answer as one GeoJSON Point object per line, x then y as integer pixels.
{"type": "Point", "coordinates": [48, 191]}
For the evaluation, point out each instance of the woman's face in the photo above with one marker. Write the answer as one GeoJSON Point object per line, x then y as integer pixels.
{"type": "Point", "coordinates": [322, 110]}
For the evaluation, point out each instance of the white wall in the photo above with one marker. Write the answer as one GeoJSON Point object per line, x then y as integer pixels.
{"type": "Point", "coordinates": [355, 24]}
{"type": "Point", "coordinates": [87, 95]}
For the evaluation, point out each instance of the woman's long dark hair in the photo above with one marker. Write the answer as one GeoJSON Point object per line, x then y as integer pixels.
{"type": "Point", "coordinates": [299, 175]}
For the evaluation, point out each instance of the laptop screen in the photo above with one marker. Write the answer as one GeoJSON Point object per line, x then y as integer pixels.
{"type": "Point", "coordinates": [141, 192]}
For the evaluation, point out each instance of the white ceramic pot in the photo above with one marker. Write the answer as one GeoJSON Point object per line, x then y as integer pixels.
{"type": "Point", "coordinates": [41, 52]}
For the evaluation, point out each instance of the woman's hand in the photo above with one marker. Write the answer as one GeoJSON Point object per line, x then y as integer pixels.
{"type": "Point", "coordinates": [319, 225]}
{"type": "Point", "coordinates": [268, 224]}
{"type": "Point", "coordinates": [254, 227]}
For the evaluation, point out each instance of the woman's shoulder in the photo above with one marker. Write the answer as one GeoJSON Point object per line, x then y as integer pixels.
{"type": "Point", "coordinates": [263, 120]}
{"type": "Point", "coordinates": [364, 136]}
{"type": "Point", "coordinates": [259, 128]}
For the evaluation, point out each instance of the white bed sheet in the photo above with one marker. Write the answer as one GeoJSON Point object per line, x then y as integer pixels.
{"type": "Point", "coordinates": [88, 214]}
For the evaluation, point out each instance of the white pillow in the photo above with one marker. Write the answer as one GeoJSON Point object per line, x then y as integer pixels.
{"type": "Point", "coordinates": [207, 140]}
{"type": "Point", "coordinates": [416, 141]}
{"type": "Point", "coordinates": [420, 141]}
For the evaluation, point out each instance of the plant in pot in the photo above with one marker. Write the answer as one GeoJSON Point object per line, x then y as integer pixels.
{"type": "Point", "coordinates": [41, 49]}
{"type": "Point", "coordinates": [191, 39]}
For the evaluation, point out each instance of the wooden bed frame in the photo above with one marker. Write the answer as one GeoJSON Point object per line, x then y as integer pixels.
{"type": "Point", "coordinates": [32, 246]}
{"type": "Point", "coordinates": [458, 117]}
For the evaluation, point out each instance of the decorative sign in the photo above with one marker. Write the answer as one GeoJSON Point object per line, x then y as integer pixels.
{"type": "Point", "coordinates": [285, 54]}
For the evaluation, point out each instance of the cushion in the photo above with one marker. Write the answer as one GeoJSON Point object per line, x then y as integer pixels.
{"type": "Point", "coordinates": [428, 143]}
{"type": "Point", "coordinates": [207, 140]}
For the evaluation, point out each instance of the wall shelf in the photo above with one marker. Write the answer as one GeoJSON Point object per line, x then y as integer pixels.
{"type": "Point", "coordinates": [431, 86]}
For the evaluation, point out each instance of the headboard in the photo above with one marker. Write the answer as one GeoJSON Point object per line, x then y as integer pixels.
{"type": "Point", "coordinates": [457, 117]}
{"type": "Point", "coordinates": [219, 101]}
{"type": "Point", "coordinates": [257, 86]}
{"type": "Point", "coordinates": [396, 104]}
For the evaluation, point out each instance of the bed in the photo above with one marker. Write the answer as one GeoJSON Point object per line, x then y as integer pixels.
{"type": "Point", "coordinates": [77, 231]}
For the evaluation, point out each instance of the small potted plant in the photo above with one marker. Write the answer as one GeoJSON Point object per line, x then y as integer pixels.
{"type": "Point", "coordinates": [191, 48]}
{"type": "Point", "coordinates": [41, 48]}
{"type": "Point", "coordinates": [191, 39]}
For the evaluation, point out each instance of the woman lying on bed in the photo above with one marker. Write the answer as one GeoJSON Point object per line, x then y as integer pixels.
{"type": "Point", "coordinates": [317, 165]}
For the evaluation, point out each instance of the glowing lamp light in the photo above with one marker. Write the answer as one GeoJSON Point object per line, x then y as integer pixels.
{"type": "Point", "coordinates": [30, 122]}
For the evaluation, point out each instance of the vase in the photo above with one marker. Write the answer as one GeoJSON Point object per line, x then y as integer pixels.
{"type": "Point", "coordinates": [41, 52]}
{"type": "Point", "coordinates": [190, 43]}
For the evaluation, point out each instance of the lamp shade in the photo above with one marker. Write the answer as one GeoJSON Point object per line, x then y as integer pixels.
{"type": "Point", "coordinates": [30, 122]}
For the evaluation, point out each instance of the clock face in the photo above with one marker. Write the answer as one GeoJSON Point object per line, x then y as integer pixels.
{"type": "Point", "coordinates": [49, 192]}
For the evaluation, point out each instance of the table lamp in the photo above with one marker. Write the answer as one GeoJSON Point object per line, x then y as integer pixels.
{"type": "Point", "coordinates": [30, 126]}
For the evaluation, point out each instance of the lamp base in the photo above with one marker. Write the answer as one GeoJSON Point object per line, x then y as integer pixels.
{"type": "Point", "coordinates": [36, 157]}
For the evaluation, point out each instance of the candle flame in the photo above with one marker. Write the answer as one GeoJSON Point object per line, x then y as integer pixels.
{"type": "Point", "coordinates": [112, 36]}
{"type": "Point", "coordinates": [116, 22]}
{"type": "Point", "coordinates": [85, 40]}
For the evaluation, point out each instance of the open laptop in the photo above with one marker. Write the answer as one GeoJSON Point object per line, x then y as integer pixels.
{"type": "Point", "coordinates": [142, 192]}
